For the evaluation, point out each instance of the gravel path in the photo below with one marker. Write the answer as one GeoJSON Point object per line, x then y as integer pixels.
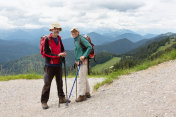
{"type": "Point", "coordinates": [147, 93]}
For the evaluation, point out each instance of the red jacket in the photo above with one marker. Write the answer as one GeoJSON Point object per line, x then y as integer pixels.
{"type": "Point", "coordinates": [52, 50]}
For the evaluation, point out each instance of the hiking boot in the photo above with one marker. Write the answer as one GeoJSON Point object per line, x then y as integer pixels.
{"type": "Point", "coordinates": [45, 106]}
{"type": "Point", "coordinates": [81, 98]}
{"type": "Point", "coordinates": [88, 95]}
{"type": "Point", "coordinates": [63, 100]}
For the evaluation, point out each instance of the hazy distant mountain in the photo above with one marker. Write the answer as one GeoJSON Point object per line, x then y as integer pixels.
{"type": "Point", "coordinates": [114, 33]}
{"type": "Point", "coordinates": [131, 36]}
{"type": "Point", "coordinates": [68, 43]}
{"type": "Point", "coordinates": [147, 36]}
{"type": "Point", "coordinates": [116, 47]}
{"type": "Point", "coordinates": [99, 39]}
{"type": "Point", "coordinates": [96, 38]}
{"type": "Point", "coordinates": [32, 36]}
{"type": "Point", "coordinates": [28, 34]}
{"type": "Point", "coordinates": [141, 42]}
{"type": "Point", "coordinates": [135, 37]}
{"type": "Point", "coordinates": [11, 50]}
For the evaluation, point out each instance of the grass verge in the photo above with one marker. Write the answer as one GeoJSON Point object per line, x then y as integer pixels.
{"type": "Point", "coordinates": [20, 76]}
{"type": "Point", "coordinates": [146, 64]}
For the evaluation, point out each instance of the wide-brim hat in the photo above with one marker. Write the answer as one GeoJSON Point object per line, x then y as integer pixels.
{"type": "Point", "coordinates": [55, 25]}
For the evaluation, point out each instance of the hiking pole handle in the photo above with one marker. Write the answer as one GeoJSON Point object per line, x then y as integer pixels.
{"type": "Point", "coordinates": [80, 62]}
{"type": "Point", "coordinates": [62, 59]}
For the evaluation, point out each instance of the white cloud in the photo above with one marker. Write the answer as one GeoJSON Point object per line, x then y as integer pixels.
{"type": "Point", "coordinates": [137, 15]}
{"type": "Point", "coordinates": [5, 23]}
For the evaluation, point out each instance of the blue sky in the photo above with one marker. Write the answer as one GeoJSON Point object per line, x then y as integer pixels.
{"type": "Point", "coordinates": [146, 16]}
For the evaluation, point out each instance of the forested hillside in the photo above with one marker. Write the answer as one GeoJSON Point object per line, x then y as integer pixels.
{"type": "Point", "coordinates": [149, 52]}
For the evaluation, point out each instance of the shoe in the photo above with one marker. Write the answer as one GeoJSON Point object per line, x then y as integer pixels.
{"type": "Point", "coordinates": [81, 98]}
{"type": "Point", "coordinates": [63, 100]}
{"type": "Point", "coordinates": [88, 95]}
{"type": "Point", "coordinates": [45, 106]}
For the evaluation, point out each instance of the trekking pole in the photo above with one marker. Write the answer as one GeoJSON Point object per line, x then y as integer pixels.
{"type": "Point", "coordinates": [65, 77]}
{"type": "Point", "coordinates": [76, 83]}
{"type": "Point", "coordinates": [63, 61]}
{"type": "Point", "coordinates": [73, 84]}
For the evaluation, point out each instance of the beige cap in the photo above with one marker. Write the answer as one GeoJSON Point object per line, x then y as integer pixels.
{"type": "Point", "coordinates": [74, 29]}
{"type": "Point", "coordinates": [55, 25]}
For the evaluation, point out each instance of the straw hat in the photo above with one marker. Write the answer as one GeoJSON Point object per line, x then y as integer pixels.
{"type": "Point", "coordinates": [55, 25]}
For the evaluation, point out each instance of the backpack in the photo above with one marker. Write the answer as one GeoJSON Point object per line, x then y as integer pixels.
{"type": "Point", "coordinates": [42, 45]}
{"type": "Point", "coordinates": [92, 52]}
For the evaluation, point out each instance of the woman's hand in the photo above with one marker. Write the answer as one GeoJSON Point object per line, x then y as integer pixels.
{"type": "Point", "coordinates": [82, 58]}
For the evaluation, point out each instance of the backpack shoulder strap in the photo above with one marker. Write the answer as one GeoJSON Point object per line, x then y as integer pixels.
{"type": "Point", "coordinates": [82, 46]}
{"type": "Point", "coordinates": [62, 47]}
{"type": "Point", "coordinates": [49, 43]}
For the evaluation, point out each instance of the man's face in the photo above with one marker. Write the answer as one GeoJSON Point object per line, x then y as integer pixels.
{"type": "Point", "coordinates": [74, 34]}
{"type": "Point", "coordinates": [56, 30]}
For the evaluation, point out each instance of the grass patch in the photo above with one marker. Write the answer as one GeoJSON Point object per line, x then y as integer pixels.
{"type": "Point", "coordinates": [101, 67]}
{"type": "Point", "coordinates": [167, 45]}
{"type": "Point", "coordinates": [38, 76]}
{"type": "Point", "coordinates": [21, 76]}
{"type": "Point", "coordinates": [146, 64]}
{"type": "Point", "coordinates": [106, 81]}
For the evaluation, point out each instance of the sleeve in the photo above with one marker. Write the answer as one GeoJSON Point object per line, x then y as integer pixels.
{"type": "Point", "coordinates": [87, 45]}
{"type": "Point", "coordinates": [48, 51]}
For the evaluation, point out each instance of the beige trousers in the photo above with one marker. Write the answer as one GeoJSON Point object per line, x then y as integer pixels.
{"type": "Point", "coordinates": [83, 84]}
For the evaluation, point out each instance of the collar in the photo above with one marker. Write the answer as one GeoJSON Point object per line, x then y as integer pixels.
{"type": "Point", "coordinates": [76, 38]}
{"type": "Point", "coordinates": [51, 36]}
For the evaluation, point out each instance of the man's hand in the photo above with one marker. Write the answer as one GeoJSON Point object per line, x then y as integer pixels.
{"type": "Point", "coordinates": [82, 58]}
{"type": "Point", "coordinates": [63, 54]}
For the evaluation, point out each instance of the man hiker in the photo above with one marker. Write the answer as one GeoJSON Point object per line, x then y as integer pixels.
{"type": "Point", "coordinates": [53, 51]}
{"type": "Point", "coordinates": [81, 55]}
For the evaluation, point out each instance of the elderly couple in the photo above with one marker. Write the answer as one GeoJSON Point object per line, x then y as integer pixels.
{"type": "Point", "coordinates": [54, 49]}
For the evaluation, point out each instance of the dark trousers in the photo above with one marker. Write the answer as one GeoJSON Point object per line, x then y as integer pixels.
{"type": "Point", "coordinates": [49, 73]}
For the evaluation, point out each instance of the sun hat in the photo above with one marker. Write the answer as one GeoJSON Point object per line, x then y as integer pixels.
{"type": "Point", "coordinates": [55, 25]}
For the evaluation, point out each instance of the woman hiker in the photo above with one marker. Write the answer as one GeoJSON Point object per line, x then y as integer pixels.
{"type": "Point", "coordinates": [81, 55]}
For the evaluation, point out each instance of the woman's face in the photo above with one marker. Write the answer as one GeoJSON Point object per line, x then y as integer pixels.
{"type": "Point", "coordinates": [74, 34]}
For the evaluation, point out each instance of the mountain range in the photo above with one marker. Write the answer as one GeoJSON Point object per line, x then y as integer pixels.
{"type": "Point", "coordinates": [14, 49]}
{"type": "Point", "coordinates": [124, 45]}
{"type": "Point", "coordinates": [99, 39]}
{"type": "Point", "coordinates": [32, 36]}
{"type": "Point", "coordinates": [34, 63]}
